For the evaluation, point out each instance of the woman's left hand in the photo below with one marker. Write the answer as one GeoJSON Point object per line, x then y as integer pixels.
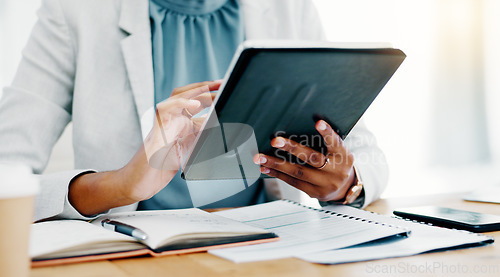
{"type": "Point", "coordinates": [330, 176]}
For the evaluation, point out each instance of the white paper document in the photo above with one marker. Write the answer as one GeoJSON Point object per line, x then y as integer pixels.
{"type": "Point", "coordinates": [301, 230]}
{"type": "Point", "coordinates": [423, 238]}
{"type": "Point", "coordinates": [490, 194]}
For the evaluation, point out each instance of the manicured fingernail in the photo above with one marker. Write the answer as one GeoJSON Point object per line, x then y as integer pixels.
{"type": "Point", "coordinates": [194, 103]}
{"type": "Point", "coordinates": [278, 142]}
{"type": "Point", "coordinates": [256, 159]}
{"type": "Point", "coordinates": [262, 160]}
{"type": "Point", "coordinates": [321, 126]}
{"type": "Point", "coordinates": [265, 170]}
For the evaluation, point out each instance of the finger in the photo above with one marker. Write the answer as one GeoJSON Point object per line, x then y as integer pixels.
{"type": "Point", "coordinates": [177, 105]}
{"type": "Point", "coordinates": [299, 184]}
{"type": "Point", "coordinates": [306, 154]}
{"type": "Point", "coordinates": [333, 141]}
{"type": "Point", "coordinates": [210, 85]}
{"type": "Point", "coordinates": [180, 90]}
{"type": "Point", "coordinates": [193, 92]}
{"type": "Point", "coordinates": [198, 123]}
{"type": "Point", "coordinates": [205, 99]}
{"type": "Point", "coordinates": [297, 171]}
{"type": "Point", "coordinates": [213, 94]}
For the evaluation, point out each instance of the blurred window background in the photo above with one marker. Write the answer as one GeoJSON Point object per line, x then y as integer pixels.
{"type": "Point", "coordinates": [437, 119]}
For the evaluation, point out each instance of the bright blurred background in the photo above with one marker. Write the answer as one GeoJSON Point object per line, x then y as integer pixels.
{"type": "Point", "coordinates": [437, 119]}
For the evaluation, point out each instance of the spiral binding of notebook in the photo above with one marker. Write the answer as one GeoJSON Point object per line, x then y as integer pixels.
{"type": "Point", "coordinates": [347, 216]}
{"type": "Point", "coordinates": [302, 231]}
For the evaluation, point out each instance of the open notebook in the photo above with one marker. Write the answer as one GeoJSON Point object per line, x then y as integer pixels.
{"type": "Point", "coordinates": [301, 230]}
{"type": "Point", "coordinates": [168, 232]}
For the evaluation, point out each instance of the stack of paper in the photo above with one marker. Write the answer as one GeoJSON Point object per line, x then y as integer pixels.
{"type": "Point", "coordinates": [339, 234]}
{"type": "Point", "coordinates": [301, 230]}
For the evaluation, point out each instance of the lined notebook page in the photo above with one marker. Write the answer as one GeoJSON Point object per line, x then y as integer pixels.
{"type": "Point", "coordinates": [52, 236]}
{"type": "Point", "coordinates": [162, 225]}
{"type": "Point", "coordinates": [423, 238]}
{"type": "Point", "coordinates": [301, 229]}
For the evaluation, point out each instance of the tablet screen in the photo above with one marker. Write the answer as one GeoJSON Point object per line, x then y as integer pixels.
{"type": "Point", "coordinates": [283, 92]}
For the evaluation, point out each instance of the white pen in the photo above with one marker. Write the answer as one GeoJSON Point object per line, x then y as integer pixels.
{"type": "Point", "coordinates": [124, 229]}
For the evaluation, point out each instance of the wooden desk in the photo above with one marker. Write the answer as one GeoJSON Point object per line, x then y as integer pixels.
{"type": "Point", "coordinates": [479, 261]}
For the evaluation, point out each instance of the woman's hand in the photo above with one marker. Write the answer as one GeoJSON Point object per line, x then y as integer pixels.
{"type": "Point", "coordinates": [329, 177]}
{"type": "Point", "coordinates": [170, 140]}
{"type": "Point", "coordinates": [175, 129]}
{"type": "Point", "coordinates": [156, 162]}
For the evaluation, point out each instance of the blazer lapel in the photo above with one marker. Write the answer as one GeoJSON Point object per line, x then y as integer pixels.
{"type": "Point", "coordinates": [137, 49]}
{"type": "Point", "coordinates": [137, 52]}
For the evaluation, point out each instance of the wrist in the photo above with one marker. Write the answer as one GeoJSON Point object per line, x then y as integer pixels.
{"type": "Point", "coordinates": [355, 190]}
{"type": "Point", "coordinates": [94, 193]}
{"type": "Point", "coordinates": [120, 184]}
{"type": "Point", "coordinates": [127, 179]}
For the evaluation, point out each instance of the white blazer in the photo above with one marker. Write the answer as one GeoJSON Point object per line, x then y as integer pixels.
{"type": "Point", "coordinates": [90, 62]}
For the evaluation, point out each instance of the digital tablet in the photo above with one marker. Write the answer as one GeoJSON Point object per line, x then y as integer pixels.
{"type": "Point", "coordinates": [281, 88]}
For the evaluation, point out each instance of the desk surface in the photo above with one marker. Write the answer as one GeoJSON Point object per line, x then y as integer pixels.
{"type": "Point", "coordinates": [478, 261]}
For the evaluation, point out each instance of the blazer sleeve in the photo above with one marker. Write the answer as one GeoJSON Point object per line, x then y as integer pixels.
{"type": "Point", "coordinates": [370, 162]}
{"type": "Point", "coordinates": [311, 27]}
{"type": "Point", "coordinates": [369, 159]}
{"type": "Point", "coordinates": [36, 107]}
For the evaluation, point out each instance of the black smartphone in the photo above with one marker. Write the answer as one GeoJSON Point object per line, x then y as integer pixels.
{"type": "Point", "coordinates": [452, 218]}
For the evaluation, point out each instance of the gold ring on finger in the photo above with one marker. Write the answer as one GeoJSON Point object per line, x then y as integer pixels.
{"type": "Point", "coordinates": [327, 160]}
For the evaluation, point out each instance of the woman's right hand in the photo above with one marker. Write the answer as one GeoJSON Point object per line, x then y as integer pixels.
{"type": "Point", "coordinates": [156, 162]}
{"type": "Point", "coordinates": [170, 140]}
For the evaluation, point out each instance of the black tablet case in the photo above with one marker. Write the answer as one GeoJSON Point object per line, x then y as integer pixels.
{"type": "Point", "coordinates": [285, 91]}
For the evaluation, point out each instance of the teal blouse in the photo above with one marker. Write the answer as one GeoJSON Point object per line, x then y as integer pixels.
{"type": "Point", "coordinates": [194, 41]}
